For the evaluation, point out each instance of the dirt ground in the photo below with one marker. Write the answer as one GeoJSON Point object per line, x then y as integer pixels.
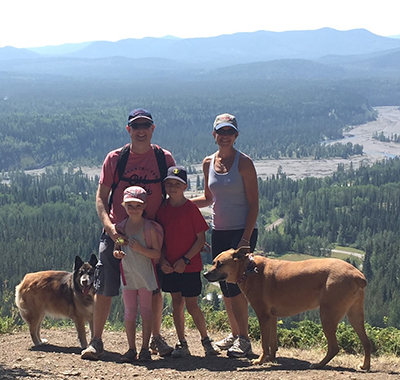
{"type": "Point", "coordinates": [60, 360]}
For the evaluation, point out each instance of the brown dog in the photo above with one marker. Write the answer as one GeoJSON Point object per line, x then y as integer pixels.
{"type": "Point", "coordinates": [278, 288]}
{"type": "Point", "coordinates": [58, 294]}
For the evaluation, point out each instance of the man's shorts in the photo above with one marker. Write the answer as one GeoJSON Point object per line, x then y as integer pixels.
{"type": "Point", "coordinates": [107, 274]}
{"type": "Point", "coordinates": [222, 240]}
{"type": "Point", "coordinates": [189, 284]}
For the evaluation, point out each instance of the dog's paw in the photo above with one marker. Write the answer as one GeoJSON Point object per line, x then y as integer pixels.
{"type": "Point", "coordinates": [42, 342]}
{"type": "Point", "coordinates": [260, 360]}
{"type": "Point", "coordinates": [361, 367]}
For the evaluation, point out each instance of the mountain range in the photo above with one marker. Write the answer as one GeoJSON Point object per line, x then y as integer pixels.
{"type": "Point", "coordinates": [319, 53]}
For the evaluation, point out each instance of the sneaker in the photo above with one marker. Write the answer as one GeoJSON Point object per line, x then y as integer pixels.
{"type": "Point", "coordinates": [241, 348]}
{"type": "Point", "coordinates": [130, 356]}
{"type": "Point", "coordinates": [208, 346]}
{"type": "Point", "coordinates": [226, 343]}
{"type": "Point", "coordinates": [94, 350]}
{"type": "Point", "coordinates": [181, 350]}
{"type": "Point", "coordinates": [160, 346]}
{"type": "Point", "coordinates": [145, 355]}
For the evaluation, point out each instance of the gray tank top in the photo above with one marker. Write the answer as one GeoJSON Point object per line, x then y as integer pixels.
{"type": "Point", "coordinates": [230, 206]}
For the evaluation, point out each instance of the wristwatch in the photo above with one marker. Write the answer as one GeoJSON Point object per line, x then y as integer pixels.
{"type": "Point", "coordinates": [186, 260]}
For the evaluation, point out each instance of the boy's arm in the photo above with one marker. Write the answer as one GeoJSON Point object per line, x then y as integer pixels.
{"type": "Point", "coordinates": [180, 265]}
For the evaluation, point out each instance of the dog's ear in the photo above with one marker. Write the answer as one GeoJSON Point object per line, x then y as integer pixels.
{"type": "Point", "coordinates": [93, 260]}
{"type": "Point", "coordinates": [241, 253]}
{"type": "Point", "coordinates": [78, 263]}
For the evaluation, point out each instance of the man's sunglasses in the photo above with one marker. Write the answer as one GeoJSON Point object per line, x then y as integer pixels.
{"type": "Point", "coordinates": [140, 125]}
{"type": "Point", "coordinates": [226, 132]}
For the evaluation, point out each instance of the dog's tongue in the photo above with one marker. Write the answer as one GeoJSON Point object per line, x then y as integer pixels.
{"type": "Point", "coordinates": [86, 290]}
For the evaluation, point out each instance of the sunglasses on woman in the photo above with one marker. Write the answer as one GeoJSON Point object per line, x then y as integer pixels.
{"type": "Point", "coordinates": [226, 132]}
{"type": "Point", "coordinates": [140, 125]}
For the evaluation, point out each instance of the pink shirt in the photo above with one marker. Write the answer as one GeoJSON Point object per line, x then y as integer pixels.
{"type": "Point", "coordinates": [139, 166]}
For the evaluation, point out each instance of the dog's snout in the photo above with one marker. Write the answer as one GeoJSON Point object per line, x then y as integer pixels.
{"type": "Point", "coordinates": [86, 280]}
{"type": "Point", "coordinates": [213, 275]}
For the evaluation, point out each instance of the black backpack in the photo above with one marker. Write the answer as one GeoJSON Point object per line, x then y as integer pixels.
{"type": "Point", "coordinates": [121, 164]}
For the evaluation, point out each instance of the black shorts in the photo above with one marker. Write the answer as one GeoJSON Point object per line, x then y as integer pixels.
{"type": "Point", "coordinates": [222, 240]}
{"type": "Point", "coordinates": [188, 284]}
{"type": "Point", "coordinates": [107, 273]}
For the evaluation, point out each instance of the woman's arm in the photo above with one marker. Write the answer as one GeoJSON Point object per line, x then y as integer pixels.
{"type": "Point", "coordinates": [249, 175]}
{"type": "Point", "coordinates": [206, 199]}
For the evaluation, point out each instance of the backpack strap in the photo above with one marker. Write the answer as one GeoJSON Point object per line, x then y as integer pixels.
{"type": "Point", "coordinates": [162, 166]}
{"type": "Point", "coordinates": [119, 171]}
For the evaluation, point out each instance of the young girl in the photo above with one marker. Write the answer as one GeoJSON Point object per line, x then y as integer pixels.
{"type": "Point", "coordinates": [136, 252]}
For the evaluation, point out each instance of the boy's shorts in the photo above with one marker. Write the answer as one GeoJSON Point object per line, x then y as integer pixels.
{"type": "Point", "coordinates": [222, 240]}
{"type": "Point", "coordinates": [188, 284]}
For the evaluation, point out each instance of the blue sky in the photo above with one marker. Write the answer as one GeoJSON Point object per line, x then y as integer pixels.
{"type": "Point", "coordinates": [27, 23]}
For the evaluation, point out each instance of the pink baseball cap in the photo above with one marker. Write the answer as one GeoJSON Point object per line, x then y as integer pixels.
{"type": "Point", "coordinates": [135, 194]}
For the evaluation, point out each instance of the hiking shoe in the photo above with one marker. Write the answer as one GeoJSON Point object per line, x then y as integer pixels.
{"type": "Point", "coordinates": [226, 343]}
{"type": "Point", "coordinates": [208, 346]}
{"type": "Point", "coordinates": [144, 355]}
{"type": "Point", "coordinates": [160, 346]}
{"type": "Point", "coordinates": [130, 356]}
{"type": "Point", "coordinates": [181, 350]}
{"type": "Point", "coordinates": [241, 348]}
{"type": "Point", "coordinates": [94, 350]}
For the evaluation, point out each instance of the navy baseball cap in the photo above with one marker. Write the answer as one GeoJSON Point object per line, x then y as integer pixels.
{"type": "Point", "coordinates": [177, 172]}
{"type": "Point", "coordinates": [139, 113]}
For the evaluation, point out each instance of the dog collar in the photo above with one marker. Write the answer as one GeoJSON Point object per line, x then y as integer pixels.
{"type": "Point", "coordinates": [251, 268]}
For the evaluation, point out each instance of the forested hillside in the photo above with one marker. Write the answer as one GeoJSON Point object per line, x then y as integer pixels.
{"type": "Point", "coordinates": [50, 121]}
{"type": "Point", "coordinates": [45, 221]}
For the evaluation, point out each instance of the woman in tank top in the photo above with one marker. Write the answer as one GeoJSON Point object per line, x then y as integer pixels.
{"type": "Point", "coordinates": [230, 186]}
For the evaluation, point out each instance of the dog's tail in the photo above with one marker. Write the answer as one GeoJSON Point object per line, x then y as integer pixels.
{"type": "Point", "coordinates": [17, 296]}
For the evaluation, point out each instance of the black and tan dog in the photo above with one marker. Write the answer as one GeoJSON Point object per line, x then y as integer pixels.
{"type": "Point", "coordinates": [60, 295]}
{"type": "Point", "coordinates": [278, 288]}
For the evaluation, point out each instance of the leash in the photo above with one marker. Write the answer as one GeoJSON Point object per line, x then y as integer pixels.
{"type": "Point", "coordinates": [251, 268]}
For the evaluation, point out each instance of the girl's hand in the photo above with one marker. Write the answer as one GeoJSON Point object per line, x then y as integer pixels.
{"type": "Point", "coordinates": [135, 245]}
{"type": "Point", "coordinates": [118, 254]}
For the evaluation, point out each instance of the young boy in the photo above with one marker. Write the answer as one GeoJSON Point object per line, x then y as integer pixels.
{"type": "Point", "coordinates": [184, 236]}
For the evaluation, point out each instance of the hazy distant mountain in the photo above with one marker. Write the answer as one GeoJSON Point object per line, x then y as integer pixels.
{"type": "Point", "coordinates": [245, 47]}
{"type": "Point", "coordinates": [60, 49]}
{"type": "Point", "coordinates": [323, 53]}
{"type": "Point", "coordinates": [9, 53]}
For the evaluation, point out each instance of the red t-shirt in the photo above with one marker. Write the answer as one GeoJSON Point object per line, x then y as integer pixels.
{"type": "Point", "coordinates": [138, 166]}
{"type": "Point", "coordinates": [181, 226]}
